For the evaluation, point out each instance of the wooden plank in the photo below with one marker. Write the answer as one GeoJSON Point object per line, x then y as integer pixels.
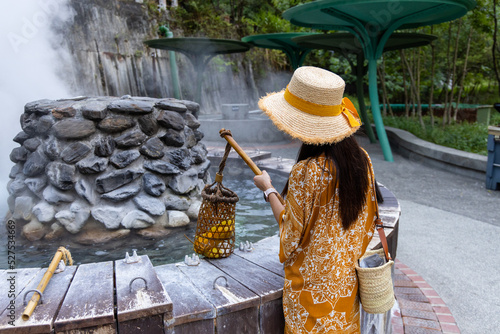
{"type": "Point", "coordinates": [103, 329]}
{"type": "Point", "coordinates": [89, 301]}
{"type": "Point", "coordinates": [197, 327]}
{"type": "Point", "coordinates": [261, 281]}
{"type": "Point", "coordinates": [272, 319]}
{"type": "Point", "coordinates": [19, 278]}
{"type": "Point", "coordinates": [189, 305]}
{"type": "Point", "coordinates": [244, 321]}
{"type": "Point", "coordinates": [148, 325]}
{"type": "Point", "coordinates": [265, 255]}
{"type": "Point", "coordinates": [42, 318]}
{"type": "Point", "coordinates": [225, 299]}
{"type": "Point", "coordinates": [135, 301]}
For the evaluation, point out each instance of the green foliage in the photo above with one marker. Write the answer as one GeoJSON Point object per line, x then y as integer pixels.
{"type": "Point", "coordinates": [469, 137]}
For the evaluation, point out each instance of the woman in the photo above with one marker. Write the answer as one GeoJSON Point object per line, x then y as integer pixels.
{"type": "Point", "coordinates": [328, 217]}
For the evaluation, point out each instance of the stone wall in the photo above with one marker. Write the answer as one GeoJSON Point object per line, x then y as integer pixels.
{"type": "Point", "coordinates": [106, 164]}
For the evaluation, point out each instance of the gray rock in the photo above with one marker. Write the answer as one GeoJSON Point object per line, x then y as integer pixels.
{"type": "Point", "coordinates": [75, 152]}
{"type": "Point", "coordinates": [73, 128]}
{"type": "Point", "coordinates": [203, 169]}
{"type": "Point", "coordinates": [192, 106]}
{"type": "Point", "coordinates": [190, 138]}
{"type": "Point", "coordinates": [44, 125]}
{"type": "Point", "coordinates": [32, 144]}
{"type": "Point", "coordinates": [171, 120]}
{"type": "Point", "coordinates": [131, 138]}
{"type": "Point", "coordinates": [105, 146]}
{"type": "Point", "coordinates": [124, 158]}
{"type": "Point", "coordinates": [153, 185]}
{"type": "Point", "coordinates": [100, 236]}
{"type": "Point", "coordinates": [171, 105]}
{"type": "Point", "coordinates": [41, 106]}
{"type": "Point", "coordinates": [95, 110]}
{"type": "Point", "coordinates": [51, 149]}
{"type": "Point", "coordinates": [44, 212]}
{"type": "Point", "coordinates": [29, 123]}
{"type": "Point", "coordinates": [16, 169]}
{"type": "Point", "coordinates": [194, 210]}
{"type": "Point", "coordinates": [11, 202]}
{"type": "Point", "coordinates": [109, 216]}
{"type": "Point", "coordinates": [92, 165]}
{"type": "Point", "coordinates": [192, 122]}
{"type": "Point", "coordinates": [178, 203]}
{"type": "Point", "coordinates": [64, 111]}
{"type": "Point", "coordinates": [56, 232]}
{"type": "Point", "coordinates": [148, 125]}
{"type": "Point", "coordinates": [116, 179]}
{"type": "Point", "coordinates": [85, 190]}
{"type": "Point", "coordinates": [17, 186]}
{"type": "Point", "coordinates": [137, 219]}
{"type": "Point", "coordinates": [19, 154]}
{"type": "Point", "coordinates": [130, 106]}
{"type": "Point", "coordinates": [55, 196]}
{"type": "Point", "coordinates": [21, 137]}
{"type": "Point", "coordinates": [22, 207]}
{"type": "Point", "coordinates": [34, 230]}
{"type": "Point", "coordinates": [61, 175]}
{"type": "Point", "coordinates": [179, 157]}
{"type": "Point", "coordinates": [36, 184]}
{"type": "Point", "coordinates": [150, 205]}
{"type": "Point", "coordinates": [161, 167]}
{"type": "Point", "coordinates": [74, 218]}
{"type": "Point", "coordinates": [199, 154]}
{"type": "Point", "coordinates": [198, 135]}
{"type": "Point", "coordinates": [153, 148]}
{"type": "Point", "coordinates": [123, 193]}
{"type": "Point", "coordinates": [185, 182]}
{"type": "Point", "coordinates": [157, 231]}
{"type": "Point", "coordinates": [177, 219]}
{"type": "Point", "coordinates": [35, 164]}
{"type": "Point", "coordinates": [116, 124]}
{"type": "Point", "coordinates": [173, 138]}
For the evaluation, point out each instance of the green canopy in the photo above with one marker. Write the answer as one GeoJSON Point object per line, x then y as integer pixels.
{"type": "Point", "coordinates": [199, 51]}
{"type": "Point", "coordinates": [373, 22]}
{"type": "Point", "coordinates": [284, 42]}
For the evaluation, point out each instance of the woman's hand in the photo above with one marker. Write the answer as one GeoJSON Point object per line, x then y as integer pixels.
{"type": "Point", "coordinates": [263, 181]}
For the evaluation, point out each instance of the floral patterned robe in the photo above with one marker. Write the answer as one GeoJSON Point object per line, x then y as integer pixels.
{"type": "Point", "coordinates": [320, 291]}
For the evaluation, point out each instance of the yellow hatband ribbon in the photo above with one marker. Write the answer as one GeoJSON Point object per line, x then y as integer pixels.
{"type": "Point", "coordinates": [346, 108]}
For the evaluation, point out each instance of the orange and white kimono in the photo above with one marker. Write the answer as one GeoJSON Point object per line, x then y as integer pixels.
{"type": "Point", "coordinates": [320, 291]}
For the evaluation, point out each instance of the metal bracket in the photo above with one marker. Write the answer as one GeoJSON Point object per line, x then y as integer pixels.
{"type": "Point", "coordinates": [131, 259]}
{"type": "Point", "coordinates": [246, 247]}
{"type": "Point", "coordinates": [132, 281]}
{"type": "Point", "coordinates": [33, 290]}
{"type": "Point", "coordinates": [225, 279]}
{"type": "Point", "coordinates": [194, 260]}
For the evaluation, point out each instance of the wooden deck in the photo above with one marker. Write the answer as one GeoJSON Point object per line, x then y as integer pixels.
{"type": "Point", "coordinates": [238, 294]}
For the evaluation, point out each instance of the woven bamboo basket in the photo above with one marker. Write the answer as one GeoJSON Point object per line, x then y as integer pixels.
{"type": "Point", "coordinates": [375, 285]}
{"type": "Point", "coordinates": [215, 229]}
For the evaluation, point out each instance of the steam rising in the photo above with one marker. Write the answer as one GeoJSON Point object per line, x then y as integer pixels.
{"type": "Point", "coordinates": [30, 54]}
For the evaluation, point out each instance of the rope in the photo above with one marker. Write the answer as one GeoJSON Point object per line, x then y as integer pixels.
{"type": "Point", "coordinates": [66, 255]}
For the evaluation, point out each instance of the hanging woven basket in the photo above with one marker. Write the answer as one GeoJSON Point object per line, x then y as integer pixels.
{"type": "Point", "coordinates": [215, 229]}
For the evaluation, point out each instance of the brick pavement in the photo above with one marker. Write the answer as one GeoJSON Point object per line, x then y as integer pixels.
{"type": "Point", "coordinates": [422, 311]}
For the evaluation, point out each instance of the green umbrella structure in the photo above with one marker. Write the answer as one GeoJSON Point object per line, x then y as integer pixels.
{"type": "Point", "coordinates": [346, 43]}
{"type": "Point", "coordinates": [284, 42]}
{"type": "Point", "coordinates": [199, 51]}
{"type": "Point", "coordinates": [373, 22]}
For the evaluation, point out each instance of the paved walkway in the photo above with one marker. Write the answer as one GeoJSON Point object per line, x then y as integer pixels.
{"type": "Point", "coordinates": [449, 234]}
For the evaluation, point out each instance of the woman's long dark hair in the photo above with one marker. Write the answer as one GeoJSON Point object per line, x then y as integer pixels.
{"type": "Point", "coordinates": [351, 165]}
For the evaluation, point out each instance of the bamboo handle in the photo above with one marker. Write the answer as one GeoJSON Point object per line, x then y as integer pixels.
{"type": "Point", "coordinates": [42, 285]}
{"type": "Point", "coordinates": [245, 157]}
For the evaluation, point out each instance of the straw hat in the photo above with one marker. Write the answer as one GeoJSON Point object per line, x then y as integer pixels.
{"type": "Point", "coordinates": [311, 108]}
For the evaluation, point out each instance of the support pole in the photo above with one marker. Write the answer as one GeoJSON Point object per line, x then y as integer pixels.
{"type": "Point", "coordinates": [377, 117]}
{"type": "Point", "coordinates": [174, 72]}
{"type": "Point", "coordinates": [361, 98]}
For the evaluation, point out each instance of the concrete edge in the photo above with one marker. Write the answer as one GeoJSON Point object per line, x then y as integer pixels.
{"type": "Point", "coordinates": [414, 148]}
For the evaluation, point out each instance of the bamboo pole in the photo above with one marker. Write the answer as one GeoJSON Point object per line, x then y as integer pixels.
{"type": "Point", "coordinates": [43, 283]}
{"type": "Point", "coordinates": [245, 157]}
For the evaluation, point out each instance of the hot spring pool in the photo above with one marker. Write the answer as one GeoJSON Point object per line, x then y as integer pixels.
{"type": "Point", "coordinates": [254, 221]}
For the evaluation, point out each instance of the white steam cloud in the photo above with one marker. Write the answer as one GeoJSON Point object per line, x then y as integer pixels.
{"type": "Point", "coordinates": [30, 53]}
